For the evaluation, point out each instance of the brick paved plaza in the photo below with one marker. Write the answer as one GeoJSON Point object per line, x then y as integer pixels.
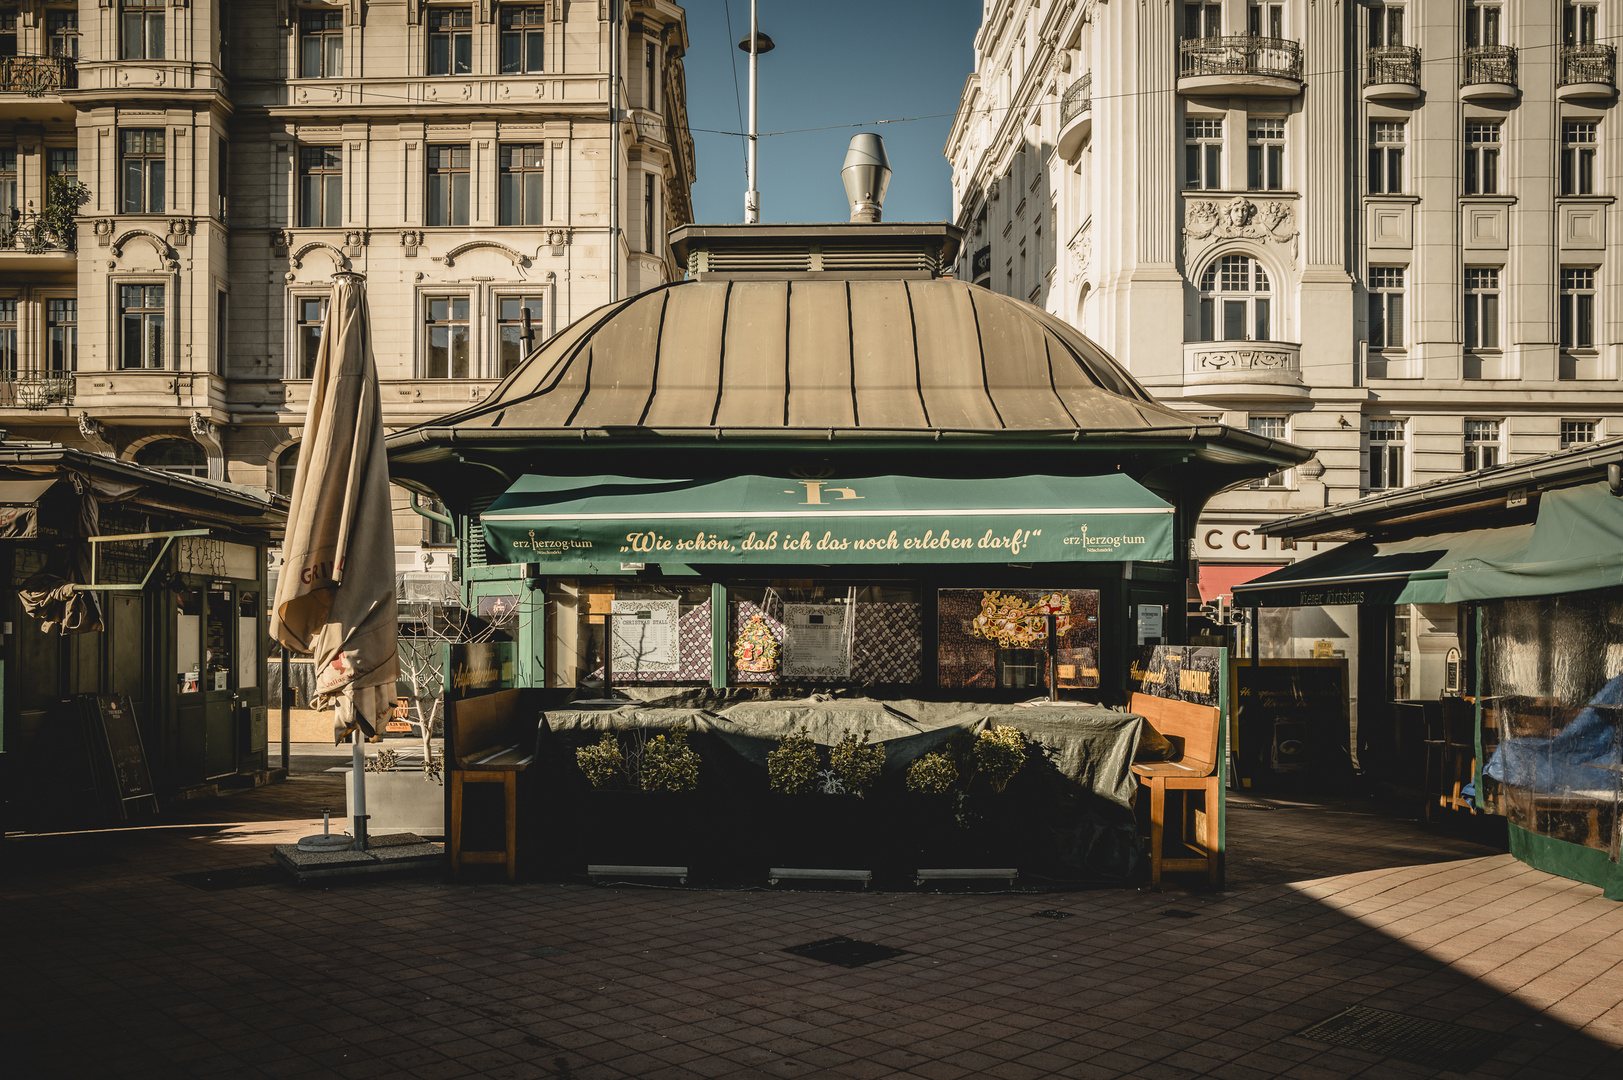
{"type": "Point", "coordinates": [113, 968]}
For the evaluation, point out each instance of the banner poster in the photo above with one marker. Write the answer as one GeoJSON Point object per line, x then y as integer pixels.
{"type": "Point", "coordinates": [816, 641]}
{"type": "Point", "coordinates": [1179, 672]}
{"type": "Point", "coordinates": [480, 667]}
{"type": "Point", "coordinates": [645, 637]}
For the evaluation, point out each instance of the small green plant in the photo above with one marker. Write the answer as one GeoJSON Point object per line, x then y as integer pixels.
{"type": "Point", "coordinates": [857, 762]}
{"type": "Point", "coordinates": [932, 774]}
{"type": "Point", "coordinates": [791, 769]}
{"type": "Point", "coordinates": [669, 764]}
{"type": "Point", "coordinates": [58, 226]}
{"type": "Point", "coordinates": [999, 754]}
{"type": "Point", "coordinates": [603, 764]}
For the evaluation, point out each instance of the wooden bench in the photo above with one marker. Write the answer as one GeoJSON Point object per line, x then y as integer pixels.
{"type": "Point", "coordinates": [492, 738]}
{"type": "Point", "coordinates": [1193, 731]}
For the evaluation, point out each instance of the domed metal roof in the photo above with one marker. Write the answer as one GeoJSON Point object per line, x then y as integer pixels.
{"type": "Point", "coordinates": [850, 355]}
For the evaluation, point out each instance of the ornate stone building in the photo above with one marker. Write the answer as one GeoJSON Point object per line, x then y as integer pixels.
{"type": "Point", "coordinates": [235, 153]}
{"type": "Point", "coordinates": [1379, 230]}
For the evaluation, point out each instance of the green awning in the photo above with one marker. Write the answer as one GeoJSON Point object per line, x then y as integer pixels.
{"type": "Point", "coordinates": [869, 519]}
{"type": "Point", "coordinates": [1576, 544]}
{"type": "Point", "coordinates": [1415, 571]}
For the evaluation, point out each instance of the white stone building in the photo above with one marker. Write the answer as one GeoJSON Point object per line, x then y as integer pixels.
{"type": "Point", "coordinates": [1385, 231]}
{"type": "Point", "coordinates": [236, 153]}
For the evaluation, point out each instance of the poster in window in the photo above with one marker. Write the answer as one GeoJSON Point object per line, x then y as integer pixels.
{"type": "Point", "coordinates": [816, 642]}
{"type": "Point", "coordinates": [998, 638]}
{"type": "Point", "coordinates": [645, 637]}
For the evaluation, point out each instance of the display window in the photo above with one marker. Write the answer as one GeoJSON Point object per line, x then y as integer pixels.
{"type": "Point", "coordinates": [801, 631]}
{"type": "Point", "coordinates": [998, 638]}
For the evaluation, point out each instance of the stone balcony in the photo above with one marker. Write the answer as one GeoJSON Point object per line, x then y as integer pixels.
{"type": "Point", "coordinates": [1391, 73]}
{"type": "Point", "coordinates": [1240, 64]}
{"type": "Point", "coordinates": [1585, 72]}
{"type": "Point", "coordinates": [1243, 370]}
{"type": "Point", "coordinates": [1488, 73]}
{"type": "Point", "coordinates": [1076, 117]}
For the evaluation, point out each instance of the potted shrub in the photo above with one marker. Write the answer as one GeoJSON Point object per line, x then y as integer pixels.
{"type": "Point", "coordinates": [959, 813]}
{"type": "Point", "coordinates": [818, 817]}
{"type": "Point", "coordinates": [640, 810]}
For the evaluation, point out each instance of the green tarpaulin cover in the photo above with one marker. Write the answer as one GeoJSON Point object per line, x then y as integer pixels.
{"type": "Point", "coordinates": [1576, 545]}
{"type": "Point", "coordinates": [889, 519]}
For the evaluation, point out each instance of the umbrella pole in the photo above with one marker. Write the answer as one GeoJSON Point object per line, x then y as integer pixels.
{"type": "Point", "coordinates": [358, 764]}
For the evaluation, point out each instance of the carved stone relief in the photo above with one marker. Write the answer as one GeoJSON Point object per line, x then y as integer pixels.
{"type": "Point", "coordinates": [1239, 218]}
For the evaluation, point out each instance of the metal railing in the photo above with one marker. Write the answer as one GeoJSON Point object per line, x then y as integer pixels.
{"type": "Point", "coordinates": [27, 231]}
{"type": "Point", "coordinates": [1078, 99]}
{"type": "Point", "coordinates": [1489, 64]}
{"type": "Point", "coordinates": [37, 75]}
{"type": "Point", "coordinates": [1385, 65]}
{"type": "Point", "coordinates": [33, 390]}
{"type": "Point", "coordinates": [1586, 64]}
{"type": "Point", "coordinates": [981, 263]}
{"type": "Point", "coordinates": [1240, 55]}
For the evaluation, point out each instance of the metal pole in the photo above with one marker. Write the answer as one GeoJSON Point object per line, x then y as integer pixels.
{"type": "Point", "coordinates": [614, 150]}
{"type": "Point", "coordinates": [287, 714]}
{"type": "Point", "coordinates": [752, 197]}
{"type": "Point", "coordinates": [358, 764]}
{"type": "Point", "coordinates": [1053, 656]}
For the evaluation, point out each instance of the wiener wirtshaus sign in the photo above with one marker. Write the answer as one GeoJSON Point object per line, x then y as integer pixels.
{"type": "Point", "coordinates": [868, 519]}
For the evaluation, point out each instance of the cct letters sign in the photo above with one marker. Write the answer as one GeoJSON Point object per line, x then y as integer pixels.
{"type": "Point", "coordinates": [1229, 541]}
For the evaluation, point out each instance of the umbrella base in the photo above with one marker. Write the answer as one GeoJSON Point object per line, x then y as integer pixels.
{"type": "Point", "coordinates": [400, 853]}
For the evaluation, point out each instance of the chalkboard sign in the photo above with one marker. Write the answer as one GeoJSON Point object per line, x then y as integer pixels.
{"type": "Point", "coordinates": [111, 724]}
{"type": "Point", "coordinates": [1181, 672]}
{"type": "Point", "coordinates": [1293, 719]}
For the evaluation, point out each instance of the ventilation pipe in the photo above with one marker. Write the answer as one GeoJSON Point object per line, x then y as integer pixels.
{"type": "Point", "coordinates": [866, 175]}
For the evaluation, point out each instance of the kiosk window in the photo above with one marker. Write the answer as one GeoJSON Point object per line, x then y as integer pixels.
{"type": "Point", "coordinates": [188, 640]}
{"type": "Point", "coordinates": [998, 638]}
{"type": "Point", "coordinates": [247, 640]}
{"type": "Point", "coordinates": [218, 657]}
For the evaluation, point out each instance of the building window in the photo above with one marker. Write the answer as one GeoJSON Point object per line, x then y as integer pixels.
{"type": "Point", "coordinates": [446, 337]}
{"type": "Point", "coordinates": [62, 161]}
{"type": "Point", "coordinates": [1481, 308]}
{"type": "Point", "coordinates": [1386, 307]}
{"type": "Point", "coordinates": [649, 228]}
{"type": "Point", "coordinates": [1265, 20]}
{"type": "Point", "coordinates": [9, 207]}
{"type": "Point", "coordinates": [321, 187]}
{"type": "Point", "coordinates": [1203, 153]}
{"type": "Point", "coordinates": [522, 181]}
{"type": "Point", "coordinates": [143, 170]}
{"type": "Point", "coordinates": [222, 175]}
{"type": "Point", "coordinates": [1577, 309]}
{"type": "Point", "coordinates": [1269, 427]}
{"type": "Point", "coordinates": [180, 456]}
{"type": "Point", "coordinates": [650, 68]}
{"type": "Point", "coordinates": [1234, 301]}
{"type": "Point", "coordinates": [1577, 433]}
{"type": "Point", "coordinates": [140, 315]}
{"type": "Point", "coordinates": [450, 41]}
{"type": "Point", "coordinates": [1580, 22]}
{"type": "Point", "coordinates": [1265, 153]}
{"type": "Point", "coordinates": [1385, 454]}
{"type": "Point", "coordinates": [321, 44]}
{"type": "Point", "coordinates": [8, 31]}
{"type": "Point", "coordinates": [8, 337]}
{"type": "Point", "coordinates": [1386, 143]}
{"type": "Point", "coordinates": [221, 311]}
{"type": "Point", "coordinates": [1482, 20]}
{"type": "Point", "coordinates": [61, 335]}
{"type": "Point", "coordinates": [62, 32]}
{"type": "Point", "coordinates": [1481, 444]}
{"type": "Point", "coordinates": [1385, 24]}
{"type": "Point", "coordinates": [141, 29]}
{"type": "Point", "coordinates": [309, 313]}
{"type": "Point", "coordinates": [1579, 140]}
{"type": "Point", "coordinates": [448, 185]}
{"type": "Point", "coordinates": [511, 348]}
{"type": "Point", "coordinates": [1202, 20]}
{"type": "Point", "coordinates": [523, 44]}
{"type": "Point", "coordinates": [1482, 157]}
{"type": "Point", "coordinates": [287, 468]}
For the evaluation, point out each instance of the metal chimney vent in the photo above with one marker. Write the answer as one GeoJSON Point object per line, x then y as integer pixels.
{"type": "Point", "coordinates": [866, 174]}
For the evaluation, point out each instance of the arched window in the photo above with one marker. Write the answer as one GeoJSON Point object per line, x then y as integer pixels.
{"type": "Point", "coordinates": [287, 463]}
{"type": "Point", "coordinates": [174, 455]}
{"type": "Point", "coordinates": [1234, 301]}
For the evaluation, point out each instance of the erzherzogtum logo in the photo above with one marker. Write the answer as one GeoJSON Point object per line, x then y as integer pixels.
{"type": "Point", "coordinates": [1103, 543]}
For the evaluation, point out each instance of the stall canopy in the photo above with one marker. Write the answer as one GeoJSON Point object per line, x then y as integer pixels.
{"type": "Point", "coordinates": [778, 520]}
{"type": "Point", "coordinates": [1414, 571]}
{"type": "Point", "coordinates": [1576, 544]}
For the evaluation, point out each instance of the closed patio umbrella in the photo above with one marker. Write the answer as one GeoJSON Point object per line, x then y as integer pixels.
{"type": "Point", "coordinates": [335, 597]}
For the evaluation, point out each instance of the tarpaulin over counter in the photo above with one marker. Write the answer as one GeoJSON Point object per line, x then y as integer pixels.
{"type": "Point", "coordinates": [889, 519]}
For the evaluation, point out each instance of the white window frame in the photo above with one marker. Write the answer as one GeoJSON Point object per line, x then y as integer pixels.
{"type": "Point", "coordinates": [1280, 479]}
{"type": "Point", "coordinates": [1388, 295]}
{"type": "Point", "coordinates": [1215, 296]}
{"type": "Point", "coordinates": [1198, 135]}
{"type": "Point", "coordinates": [1580, 153]}
{"type": "Point", "coordinates": [1266, 160]}
{"type": "Point", "coordinates": [325, 37]}
{"type": "Point", "coordinates": [493, 323]}
{"type": "Point", "coordinates": [1391, 454]}
{"type": "Point", "coordinates": [473, 322]}
{"type": "Point", "coordinates": [1590, 429]}
{"type": "Point", "coordinates": [1382, 149]}
{"type": "Point", "coordinates": [1577, 283]}
{"type": "Point", "coordinates": [1483, 453]}
{"type": "Point", "coordinates": [1484, 22]}
{"type": "Point", "coordinates": [1382, 23]}
{"type": "Point", "coordinates": [1480, 313]}
{"type": "Point", "coordinates": [115, 328]}
{"type": "Point", "coordinates": [1483, 164]}
{"type": "Point", "coordinates": [45, 299]}
{"type": "Point", "coordinates": [293, 356]}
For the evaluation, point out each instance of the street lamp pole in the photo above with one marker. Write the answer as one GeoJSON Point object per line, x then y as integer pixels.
{"type": "Point", "coordinates": [752, 197]}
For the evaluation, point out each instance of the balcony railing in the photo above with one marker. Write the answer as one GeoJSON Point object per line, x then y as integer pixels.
{"type": "Point", "coordinates": [1077, 100]}
{"type": "Point", "coordinates": [1279, 58]}
{"type": "Point", "coordinates": [1388, 65]}
{"type": "Point", "coordinates": [34, 390]}
{"type": "Point", "coordinates": [981, 263]}
{"type": "Point", "coordinates": [1586, 64]}
{"type": "Point", "coordinates": [37, 75]}
{"type": "Point", "coordinates": [28, 231]}
{"type": "Point", "coordinates": [1489, 64]}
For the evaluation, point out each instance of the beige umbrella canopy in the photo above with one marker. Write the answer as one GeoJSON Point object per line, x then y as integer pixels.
{"type": "Point", "coordinates": [335, 598]}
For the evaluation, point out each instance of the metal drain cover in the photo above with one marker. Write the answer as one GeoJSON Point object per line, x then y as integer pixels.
{"type": "Point", "coordinates": [845, 951]}
{"type": "Point", "coordinates": [1051, 913]}
{"type": "Point", "coordinates": [1432, 1043]}
{"type": "Point", "coordinates": [235, 877]}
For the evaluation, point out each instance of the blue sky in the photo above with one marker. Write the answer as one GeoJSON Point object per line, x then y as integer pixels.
{"type": "Point", "coordinates": [837, 62]}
